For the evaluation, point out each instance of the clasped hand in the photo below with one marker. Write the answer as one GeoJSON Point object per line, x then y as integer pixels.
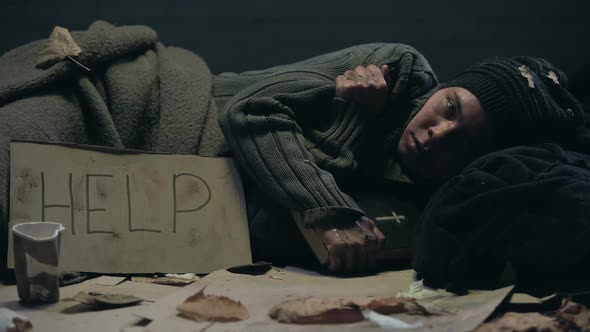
{"type": "Point", "coordinates": [352, 248]}
{"type": "Point", "coordinates": [367, 86]}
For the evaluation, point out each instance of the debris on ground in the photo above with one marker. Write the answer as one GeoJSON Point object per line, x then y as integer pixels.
{"type": "Point", "coordinates": [574, 316]}
{"type": "Point", "coordinates": [169, 279]}
{"type": "Point", "coordinates": [570, 317]}
{"type": "Point", "coordinates": [201, 307]}
{"type": "Point", "coordinates": [185, 276]}
{"type": "Point", "coordinates": [521, 322]}
{"type": "Point", "coordinates": [93, 301]}
{"type": "Point", "coordinates": [418, 291]}
{"type": "Point", "coordinates": [316, 310]}
{"type": "Point", "coordinates": [388, 322]}
{"type": "Point", "coordinates": [10, 321]}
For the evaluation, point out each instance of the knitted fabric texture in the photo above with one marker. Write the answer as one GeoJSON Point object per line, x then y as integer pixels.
{"type": "Point", "coordinates": [525, 98]}
{"type": "Point", "coordinates": [298, 143]}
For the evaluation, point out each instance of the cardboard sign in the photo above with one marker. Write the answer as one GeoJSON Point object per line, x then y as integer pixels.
{"type": "Point", "coordinates": [131, 212]}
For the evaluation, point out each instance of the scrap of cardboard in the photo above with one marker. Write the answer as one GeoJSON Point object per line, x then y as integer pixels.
{"type": "Point", "coordinates": [131, 212]}
{"type": "Point", "coordinates": [260, 293]}
{"type": "Point", "coordinates": [48, 317]}
{"type": "Point", "coordinates": [106, 281]}
{"type": "Point", "coordinates": [148, 292]}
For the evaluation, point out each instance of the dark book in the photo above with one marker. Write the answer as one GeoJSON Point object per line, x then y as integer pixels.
{"type": "Point", "coordinates": [395, 211]}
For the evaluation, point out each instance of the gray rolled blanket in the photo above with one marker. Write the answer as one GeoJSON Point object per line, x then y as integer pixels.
{"type": "Point", "coordinates": [139, 94]}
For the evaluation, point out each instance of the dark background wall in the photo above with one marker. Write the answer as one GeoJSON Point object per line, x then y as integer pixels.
{"type": "Point", "coordinates": [239, 35]}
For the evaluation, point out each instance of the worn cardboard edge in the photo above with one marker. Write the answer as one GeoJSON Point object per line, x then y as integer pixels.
{"type": "Point", "coordinates": [108, 149]}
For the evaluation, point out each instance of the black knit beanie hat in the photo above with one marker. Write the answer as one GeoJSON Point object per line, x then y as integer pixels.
{"type": "Point", "coordinates": [526, 99]}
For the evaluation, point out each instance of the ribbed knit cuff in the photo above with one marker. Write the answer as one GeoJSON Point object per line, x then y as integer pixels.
{"type": "Point", "coordinates": [331, 215]}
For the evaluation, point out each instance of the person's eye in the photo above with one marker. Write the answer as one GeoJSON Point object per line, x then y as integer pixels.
{"type": "Point", "coordinates": [451, 110]}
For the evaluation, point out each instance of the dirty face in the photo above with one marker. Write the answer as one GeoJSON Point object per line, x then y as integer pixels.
{"type": "Point", "coordinates": [449, 131]}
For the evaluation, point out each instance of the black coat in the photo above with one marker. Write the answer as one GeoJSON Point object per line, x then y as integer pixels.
{"type": "Point", "coordinates": [527, 206]}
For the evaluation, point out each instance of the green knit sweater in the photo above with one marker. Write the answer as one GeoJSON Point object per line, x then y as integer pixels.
{"type": "Point", "coordinates": [300, 144]}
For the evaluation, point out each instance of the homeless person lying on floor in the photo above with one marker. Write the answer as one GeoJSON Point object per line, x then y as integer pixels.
{"type": "Point", "coordinates": [302, 141]}
{"type": "Point", "coordinates": [303, 134]}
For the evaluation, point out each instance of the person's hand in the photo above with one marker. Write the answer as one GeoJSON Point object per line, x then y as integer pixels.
{"type": "Point", "coordinates": [367, 86]}
{"type": "Point", "coordinates": [354, 248]}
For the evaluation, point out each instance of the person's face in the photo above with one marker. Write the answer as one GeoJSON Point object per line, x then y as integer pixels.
{"type": "Point", "coordinates": [447, 133]}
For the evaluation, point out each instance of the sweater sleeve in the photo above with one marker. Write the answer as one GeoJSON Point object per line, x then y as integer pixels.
{"type": "Point", "coordinates": [270, 145]}
{"type": "Point", "coordinates": [265, 127]}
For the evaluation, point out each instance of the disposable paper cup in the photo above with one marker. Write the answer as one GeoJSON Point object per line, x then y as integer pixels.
{"type": "Point", "coordinates": [36, 260]}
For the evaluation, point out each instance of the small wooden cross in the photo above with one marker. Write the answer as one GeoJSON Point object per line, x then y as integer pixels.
{"type": "Point", "coordinates": [394, 216]}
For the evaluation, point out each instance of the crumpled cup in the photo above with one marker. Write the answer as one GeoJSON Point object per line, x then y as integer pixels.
{"type": "Point", "coordinates": [36, 260]}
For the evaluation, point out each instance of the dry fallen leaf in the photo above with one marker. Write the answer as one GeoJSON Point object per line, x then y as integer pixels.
{"type": "Point", "coordinates": [525, 72]}
{"type": "Point", "coordinates": [316, 310]}
{"type": "Point", "coordinates": [395, 305]}
{"type": "Point", "coordinates": [521, 322]}
{"type": "Point", "coordinates": [60, 45]}
{"type": "Point", "coordinates": [116, 300]}
{"type": "Point", "coordinates": [575, 314]}
{"type": "Point", "coordinates": [107, 300]}
{"type": "Point", "coordinates": [553, 77]}
{"type": "Point", "coordinates": [11, 321]}
{"type": "Point", "coordinates": [201, 307]}
{"type": "Point", "coordinates": [21, 325]}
